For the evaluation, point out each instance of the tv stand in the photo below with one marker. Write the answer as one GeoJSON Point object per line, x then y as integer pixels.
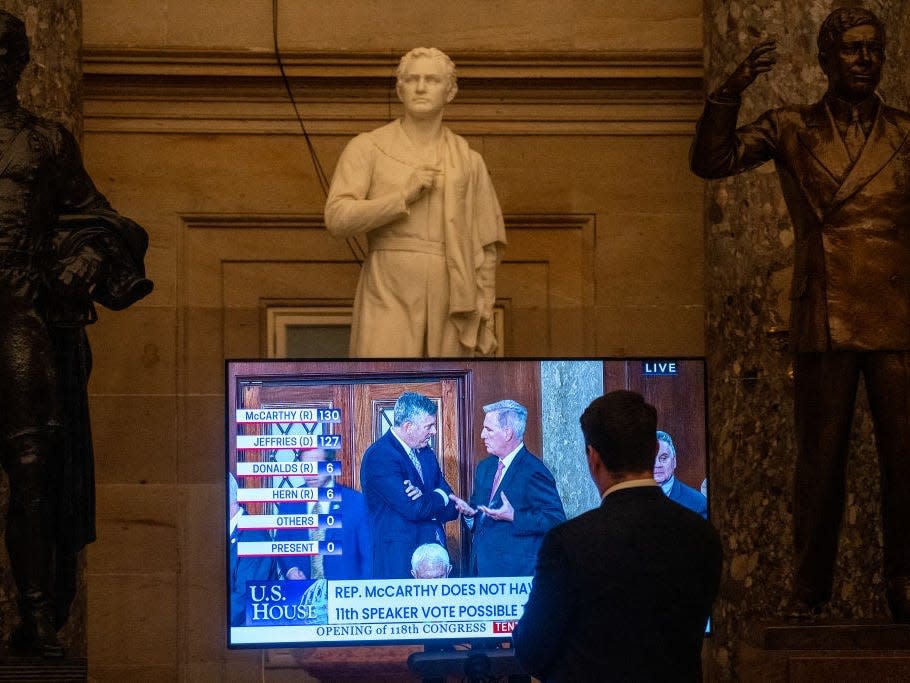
{"type": "Point", "coordinates": [480, 664]}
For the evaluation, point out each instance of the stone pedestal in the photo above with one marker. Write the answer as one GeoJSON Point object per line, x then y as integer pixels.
{"type": "Point", "coordinates": [748, 243]}
{"type": "Point", "coordinates": [845, 652]}
{"type": "Point", "coordinates": [22, 669]}
{"type": "Point", "coordinates": [51, 86]}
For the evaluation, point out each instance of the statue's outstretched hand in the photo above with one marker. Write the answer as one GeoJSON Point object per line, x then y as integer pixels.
{"type": "Point", "coordinates": [762, 59]}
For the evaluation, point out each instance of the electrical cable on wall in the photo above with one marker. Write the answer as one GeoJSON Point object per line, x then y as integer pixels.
{"type": "Point", "coordinates": [321, 176]}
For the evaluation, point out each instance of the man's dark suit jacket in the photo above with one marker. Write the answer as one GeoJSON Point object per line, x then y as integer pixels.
{"type": "Point", "coordinates": [243, 569]}
{"type": "Point", "coordinates": [399, 524]}
{"type": "Point", "coordinates": [622, 593]}
{"type": "Point", "coordinates": [688, 497]}
{"type": "Point", "coordinates": [356, 559]}
{"type": "Point", "coordinates": [851, 269]}
{"type": "Point", "coordinates": [510, 548]}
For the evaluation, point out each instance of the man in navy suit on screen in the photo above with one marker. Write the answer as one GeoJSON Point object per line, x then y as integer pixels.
{"type": "Point", "coordinates": [665, 475]}
{"type": "Point", "coordinates": [514, 502]}
{"type": "Point", "coordinates": [406, 494]}
{"type": "Point", "coordinates": [353, 536]}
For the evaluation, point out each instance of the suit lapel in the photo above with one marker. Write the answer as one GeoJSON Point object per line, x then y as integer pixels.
{"type": "Point", "coordinates": [403, 455]}
{"type": "Point", "coordinates": [823, 143]}
{"type": "Point", "coordinates": [884, 141]}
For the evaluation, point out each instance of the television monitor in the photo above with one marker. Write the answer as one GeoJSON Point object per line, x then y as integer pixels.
{"type": "Point", "coordinates": [300, 551]}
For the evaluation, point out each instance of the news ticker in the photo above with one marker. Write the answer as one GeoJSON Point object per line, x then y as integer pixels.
{"type": "Point", "coordinates": [293, 468]}
{"type": "Point", "coordinates": [398, 609]}
{"type": "Point", "coordinates": [271, 442]}
{"type": "Point", "coordinates": [287, 548]}
{"type": "Point", "coordinates": [311, 521]}
{"type": "Point", "coordinates": [299, 494]}
{"type": "Point", "coordinates": [288, 415]}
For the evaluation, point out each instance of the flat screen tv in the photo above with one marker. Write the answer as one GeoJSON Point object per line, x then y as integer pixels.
{"type": "Point", "coordinates": [308, 558]}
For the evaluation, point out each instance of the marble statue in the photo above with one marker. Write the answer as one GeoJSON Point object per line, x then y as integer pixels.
{"type": "Point", "coordinates": [62, 247]}
{"type": "Point", "coordinates": [432, 221]}
{"type": "Point", "coordinates": [844, 167]}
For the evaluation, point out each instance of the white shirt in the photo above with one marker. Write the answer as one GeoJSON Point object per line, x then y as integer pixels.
{"type": "Point", "coordinates": [630, 484]}
{"type": "Point", "coordinates": [506, 461]}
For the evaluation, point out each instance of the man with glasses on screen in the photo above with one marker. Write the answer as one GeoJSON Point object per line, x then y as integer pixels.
{"type": "Point", "coordinates": [665, 476]}
{"type": "Point", "coordinates": [622, 592]}
{"type": "Point", "coordinates": [407, 496]}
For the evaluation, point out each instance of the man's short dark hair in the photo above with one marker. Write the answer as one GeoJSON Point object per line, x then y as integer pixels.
{"type": "Point", "coordinates": [411, 405]}
{"type": "Point", "coordinates": [844, 19]}
{"type": "Point", "coordinates": [622, 428]}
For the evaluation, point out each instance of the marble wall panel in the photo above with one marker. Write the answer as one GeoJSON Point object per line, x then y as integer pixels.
{"type": "Point", "coordinates": [132, 625]}
{"type": "Point", "coordinates": [137, 533]}
{"type": "Point", "coordinates": [202, 440]}
{"type": "Point", "coordinates": [133, 351]}
{"type": "Point", "coordinates": [136, 439]}
{"type": "Point", "coordinates": [366, 26]}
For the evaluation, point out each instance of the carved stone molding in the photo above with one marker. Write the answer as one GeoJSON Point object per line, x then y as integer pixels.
{"type": "Point", "coordinates": [196, 91]}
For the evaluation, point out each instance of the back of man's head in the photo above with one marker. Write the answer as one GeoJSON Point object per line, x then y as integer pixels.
{"type": "Point", "coordinates": [622, 428]}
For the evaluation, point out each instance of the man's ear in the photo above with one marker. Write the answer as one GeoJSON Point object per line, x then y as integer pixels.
{"type": "Point", "coordinates": [594, 461]}
{"type": "Point", "coordinates": [453, 90]}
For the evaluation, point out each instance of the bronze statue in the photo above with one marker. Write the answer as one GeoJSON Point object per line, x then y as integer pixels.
{"type": "Point", "coordinates": [435, 231]}
{"type": "Point", "coordinates": [62, 247]}
{"type": "Point", "coordinates": [844, 167]}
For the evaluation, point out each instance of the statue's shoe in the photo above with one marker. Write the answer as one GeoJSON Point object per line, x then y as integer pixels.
{"type": "Point", "coordinates": [36, 637]}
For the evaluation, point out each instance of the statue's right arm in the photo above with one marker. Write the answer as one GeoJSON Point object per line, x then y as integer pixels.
{"type": "Point", "coordinates": [719, 148]}
{"type": "Point", "coordinates": [348, 210]}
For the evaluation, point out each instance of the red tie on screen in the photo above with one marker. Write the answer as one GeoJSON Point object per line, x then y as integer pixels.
{"type": "Point", "coordinates": [496, 479]}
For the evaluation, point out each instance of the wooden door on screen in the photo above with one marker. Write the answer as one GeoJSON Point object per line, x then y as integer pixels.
{"type": "Point", "coordinates": [367, 409]}
{"type": "Point", "coordinates": [680, 402]}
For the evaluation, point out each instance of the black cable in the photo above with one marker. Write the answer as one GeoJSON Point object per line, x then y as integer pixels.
{"type": "Point", "coordinates": [321, 176]}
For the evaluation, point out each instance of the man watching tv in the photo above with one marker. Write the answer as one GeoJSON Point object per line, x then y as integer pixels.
{"type": "Point", "coordinates": [622, 592]}
{"type": "Point", "coordinates": [665, 476]}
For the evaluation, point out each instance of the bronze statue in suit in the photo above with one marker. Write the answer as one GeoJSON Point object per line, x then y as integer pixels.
{"type": "Point", "coordinates": [844, 167]}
